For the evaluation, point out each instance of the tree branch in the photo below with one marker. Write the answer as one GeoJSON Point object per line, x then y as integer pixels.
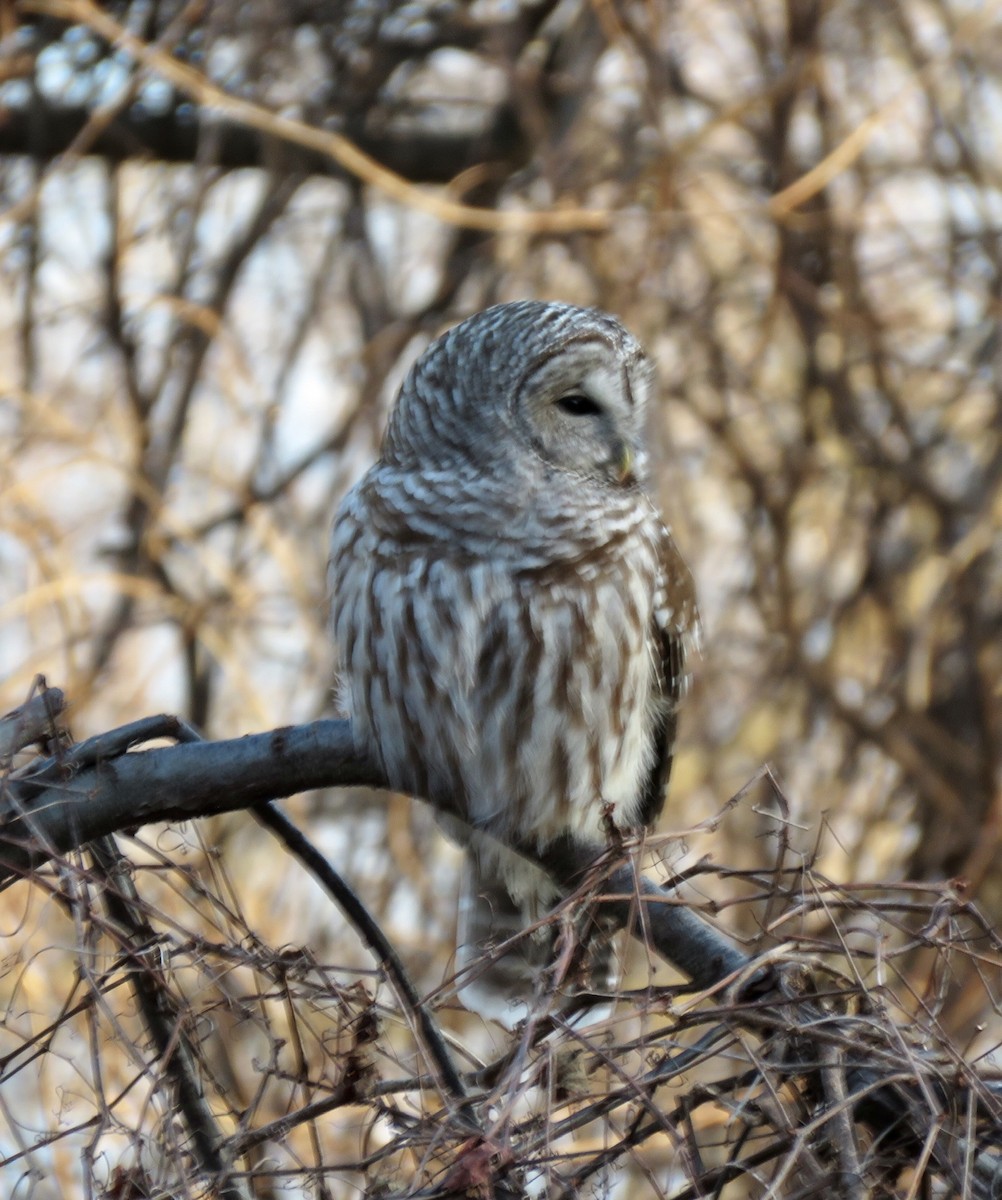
{"type": "Point", "coordinates": [98, 789]}
{"type": "Point", "coordinates": [68, 806]}
{"type": "Point", "coordinates": [42, 131]}
{"type": "Point", "coordinates": [30, 723]}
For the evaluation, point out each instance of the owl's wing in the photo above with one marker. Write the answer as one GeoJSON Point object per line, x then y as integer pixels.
{"type": "Point", "coordinates": [675, 638]}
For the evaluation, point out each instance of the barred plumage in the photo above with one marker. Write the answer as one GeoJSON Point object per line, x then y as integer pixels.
{"type": "Point", "coordinates": [510, 612]}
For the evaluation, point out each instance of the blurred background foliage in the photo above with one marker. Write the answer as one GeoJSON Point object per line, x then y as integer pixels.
{"type": "Point", "coordinates": [203, 316]}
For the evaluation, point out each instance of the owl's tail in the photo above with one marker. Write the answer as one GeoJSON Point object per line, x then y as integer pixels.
{"type": "Point", "coordinates": [513, 955]}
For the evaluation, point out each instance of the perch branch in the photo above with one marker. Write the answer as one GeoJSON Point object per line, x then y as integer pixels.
{"type": "Point", "coordinates": [56, 808]}
{"type": "Point", "coordinates": [30, 723]}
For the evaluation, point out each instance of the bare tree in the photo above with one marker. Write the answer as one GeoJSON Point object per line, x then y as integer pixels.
{"type": "Point", "coordinates": [226, 231]}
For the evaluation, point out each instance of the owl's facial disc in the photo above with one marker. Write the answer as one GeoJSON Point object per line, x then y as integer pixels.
{"type": "Point", "coordinates": [584, 412]}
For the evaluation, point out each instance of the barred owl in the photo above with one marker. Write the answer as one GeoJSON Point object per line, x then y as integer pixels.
{"type": "Point", "coordinates": [511, 614]}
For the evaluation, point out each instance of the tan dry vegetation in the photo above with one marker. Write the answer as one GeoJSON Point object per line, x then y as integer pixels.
{"type": "Point", "coordinates": [797, 207]}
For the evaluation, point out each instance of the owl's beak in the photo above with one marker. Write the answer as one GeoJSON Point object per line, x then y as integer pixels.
{"type": "Point", "coordinates": [623, 465]}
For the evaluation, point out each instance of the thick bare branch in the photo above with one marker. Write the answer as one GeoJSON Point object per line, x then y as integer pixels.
{"type": "Point", "coordinates": [176, 783]}
{"type": "Point", "coordinates": [43, 131]}
{"type": "Point", "coordinates": [105, 790]}
{"type": "Point", "coordinates": [31, 722]}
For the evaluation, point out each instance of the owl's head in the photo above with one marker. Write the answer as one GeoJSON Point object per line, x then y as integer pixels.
{"type": "Point", "coordinates": [565, 388]}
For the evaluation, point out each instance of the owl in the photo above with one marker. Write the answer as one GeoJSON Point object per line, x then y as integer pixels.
{"type": "Point", "coordinates": [511, 615]}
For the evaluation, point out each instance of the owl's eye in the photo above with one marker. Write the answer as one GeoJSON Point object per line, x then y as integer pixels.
{"type": "Point", "coordinates": [579, 406]}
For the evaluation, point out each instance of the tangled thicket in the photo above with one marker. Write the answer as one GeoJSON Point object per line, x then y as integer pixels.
{"type": "Point", "coordinates": [816, 1063]}
{"type": "Point", "coordinates": [206, 299]}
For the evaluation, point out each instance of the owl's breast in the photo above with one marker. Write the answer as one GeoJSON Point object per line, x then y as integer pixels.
{"type": "Point", "coordinates": [522, 696]}
{"type": "Point", "coordinates": [583, 712]}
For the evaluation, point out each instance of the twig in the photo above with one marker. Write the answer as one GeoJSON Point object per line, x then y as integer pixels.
{"type": "Point", "coordinates": [843, 1135]}
{"type": "Point", "coordinates": [30, 723]}
{"type": "Point", "coordinates": [356, 912]}
{"type": "Point", "coordinates": [163, 1019]}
